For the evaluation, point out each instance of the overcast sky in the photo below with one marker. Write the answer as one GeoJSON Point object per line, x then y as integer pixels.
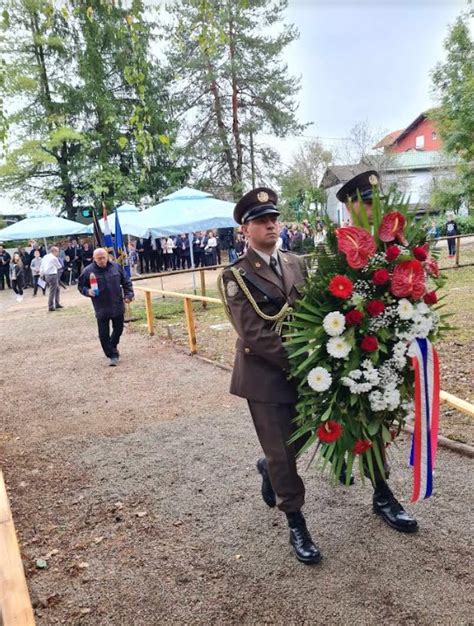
{"type": "Point", "coordinates": [365, 60]}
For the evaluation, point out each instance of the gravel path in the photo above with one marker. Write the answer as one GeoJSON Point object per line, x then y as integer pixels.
{"type": "Point", "coordinates": [137, 486]}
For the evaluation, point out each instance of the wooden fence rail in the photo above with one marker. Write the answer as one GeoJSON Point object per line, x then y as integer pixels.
{"type": "Point", "coordinates": [15, 605]}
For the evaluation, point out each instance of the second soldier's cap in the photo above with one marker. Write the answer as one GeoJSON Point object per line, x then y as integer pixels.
{"type": "Point", "coordinates": [255, 203]}
{"type": "Point", "coordinates": [362, 183]}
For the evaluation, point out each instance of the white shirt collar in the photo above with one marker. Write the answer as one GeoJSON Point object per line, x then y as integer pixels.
{"type": "Point", "coordinates": [266, 257]}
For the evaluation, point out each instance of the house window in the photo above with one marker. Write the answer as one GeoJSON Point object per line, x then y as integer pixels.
{"type": "Point", "coordinates": [420, 142]}
{"type": "Point", "coordinates": [434, 135]}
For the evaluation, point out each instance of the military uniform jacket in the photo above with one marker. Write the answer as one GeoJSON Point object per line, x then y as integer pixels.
{"type": "Point", "coordinates": [261, 364]}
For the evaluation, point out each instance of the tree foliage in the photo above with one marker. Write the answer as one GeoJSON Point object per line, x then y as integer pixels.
{"type": "Point", "coordinates": [88, 109]}
{"type": "Point", "coordinates": [300, 183]}
{"type": "Point", "coordinates": [230, 85]}
{"type": "Point", "coordinates": [453, 83]}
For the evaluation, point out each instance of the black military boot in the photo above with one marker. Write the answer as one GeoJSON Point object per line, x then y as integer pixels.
{"type": "Point", "coordinates": [268, 494]}
{"type": "Point", "coordinates": [300, 539]}
{"type": "Point", "coordinates": [391, 511]}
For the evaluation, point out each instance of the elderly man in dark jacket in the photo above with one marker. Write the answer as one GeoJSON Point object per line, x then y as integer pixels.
{"type": "Point", "coordinates": [108, 295]}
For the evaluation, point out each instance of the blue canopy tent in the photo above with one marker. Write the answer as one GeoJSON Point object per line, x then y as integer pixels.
{"type": "Point", "coordinates": [186, 211]}
{"type": "Point", "coordinates": [41, 227]}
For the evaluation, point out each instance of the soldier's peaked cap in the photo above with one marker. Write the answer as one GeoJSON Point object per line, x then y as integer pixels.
{"type": "Point", "coordinates": [260, 201]}
{"type": "Point", "coordinates": [362, 183]}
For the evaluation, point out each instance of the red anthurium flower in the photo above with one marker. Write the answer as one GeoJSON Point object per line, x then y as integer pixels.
{"type": "Point", "coordinates": [380, 277]}
{"type": "Point", "coordinates": [375, 307]}
{"type": "Point", "coordinates": [329, 431]}
{"type": "Point", "coordinates": [392, 226]}
{"type": "Point", "coordinates": [361, 446]}
{"type": "Point", "coordinates": [369, 343]}
{"type": "Point", "coordinates": [432, 267]}
{"type": "Point", "coordinates": [430, 297]}
{"type": "Point", "coordinates": [392, 252]}
{"type": "Point", "coordinates": [341, 287]}
{"type": "Point", "coordinates": [408, 279]}
{"type": "Point", "coordinates": [354, 317]}
{"type": "Point", "coordinates": [420, 252]}
{"type": "Point", "coordinates": [357, 244]}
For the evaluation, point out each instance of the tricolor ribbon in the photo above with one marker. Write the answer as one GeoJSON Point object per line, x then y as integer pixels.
{"type": "Point", "coordinates": [425, 435]}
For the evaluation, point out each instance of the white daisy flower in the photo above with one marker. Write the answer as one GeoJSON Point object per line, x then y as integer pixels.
{"type": "Point", "coordinates": [334, 323]}
{"type": "Point", "coordinates": [319, 379]}
{"type": "Point", "coordinates": [338, 347]}
{"type": "Point", "coordinates": [405, 309]}
{"type": "Point", "coordinates": [423, 308]}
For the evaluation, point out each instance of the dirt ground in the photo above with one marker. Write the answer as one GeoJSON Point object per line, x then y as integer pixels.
{"type": "Point", "coordinates": [137, 486]}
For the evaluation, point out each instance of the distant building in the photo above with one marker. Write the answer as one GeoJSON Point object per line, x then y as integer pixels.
{"type": "Point", "coordinates": [421, 135]}
{"type": "Point", "coordinates": [409, 159]}
{"type": "Point", "coordinates": [10, 216]}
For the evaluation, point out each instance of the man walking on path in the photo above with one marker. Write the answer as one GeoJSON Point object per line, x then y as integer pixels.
{"type": "Point", "coordinates": [50, 272]}
{"type": "Point", "coordinates": [107, 284]}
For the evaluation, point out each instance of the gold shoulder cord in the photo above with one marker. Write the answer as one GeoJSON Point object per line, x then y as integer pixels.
{"type": "Point", "coordinates": [278, 318]}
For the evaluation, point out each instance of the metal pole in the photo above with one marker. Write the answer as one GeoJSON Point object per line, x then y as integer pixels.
{"type": "Point", "coordinates": [191, 252]}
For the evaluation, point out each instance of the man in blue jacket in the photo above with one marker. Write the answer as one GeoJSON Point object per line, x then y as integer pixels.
{"type": "Point", "coordinates": [114, 288]}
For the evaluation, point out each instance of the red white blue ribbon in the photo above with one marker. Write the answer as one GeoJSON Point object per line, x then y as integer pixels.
{"type": "Point", "coordinates": [425, 435]}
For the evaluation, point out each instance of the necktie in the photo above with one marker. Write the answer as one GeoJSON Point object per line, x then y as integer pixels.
{"type": "Point", "coordinates": [274, 265]}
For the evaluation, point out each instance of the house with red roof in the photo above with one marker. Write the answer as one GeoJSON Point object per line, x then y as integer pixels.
{"type": "Point", "coordinates": [421, 135]}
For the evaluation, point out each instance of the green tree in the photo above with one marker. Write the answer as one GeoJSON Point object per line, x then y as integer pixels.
{"type": "Point", "coordinates": [300, 193]}
{"type": "Point", "coordinates": [454, 88]}
{"type": "Point", "coordinates": [88, 120]}
{"type": "Point", "coordinates": [230, 85]}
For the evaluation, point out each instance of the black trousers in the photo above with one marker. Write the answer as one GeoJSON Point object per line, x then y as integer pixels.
{"type": "Point", "coordinates": [451, 247]}
{"type": "Point", "coordinates": [35, 285]}
{"type": "Point", "coordinates": [274, 425]}
{"type": "Point", "coordinates": [109, 342]}
{"type": "Point", "coordinates": [5, 276]}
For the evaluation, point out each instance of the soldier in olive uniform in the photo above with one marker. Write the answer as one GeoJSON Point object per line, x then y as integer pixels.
{"type": "Point", "coordinates": [258, 290]}
{"type": "Point", "coordinates": [384, 502]}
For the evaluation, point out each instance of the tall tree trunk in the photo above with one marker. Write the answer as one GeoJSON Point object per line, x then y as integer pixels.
{"type": "Point", "coordinates": [222, 129]}
{"type": "Point", "coordinates": [235, 104]}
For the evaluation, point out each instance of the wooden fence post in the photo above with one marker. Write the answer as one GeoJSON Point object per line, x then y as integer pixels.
{"type": "Point", "coordinates": [188, 309]}
{"type": "Point", "coordinates": [149, 313]}
{"type": "Point", "coordinates": [458, 248]}
{"type": "Point", "coordinates": [203, 286]}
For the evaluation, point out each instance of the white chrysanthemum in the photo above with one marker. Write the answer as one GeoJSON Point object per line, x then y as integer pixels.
{"type": "Point", "coordinates": [405, 309]}
{"type": "Point", "coordinates": [423, 308]}
{"type": "Point", "coordinates": [334, 323]}
{"type": "Point", "coordinates": [338, 347]}
{"type": "Point", "coordinates": [319, 379]}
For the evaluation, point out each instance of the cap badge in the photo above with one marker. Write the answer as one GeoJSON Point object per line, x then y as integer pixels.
{"type": "Point", "coordinates": [373, 180]}
{"type": "Point", "coordinates": [262, 196]}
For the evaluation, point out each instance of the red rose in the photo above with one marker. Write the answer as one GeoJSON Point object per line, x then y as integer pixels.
{"type": "Point", "coordinates": [329, 431]}
{"type": "Point", "coordinates": [430, 297]}
{"type": "Point", "coordinates": [380, 277]}
{"type": "Point", "coordinates": [392, 252]}
{"type": "Point", "coordinates": [375, 307]}
{"type": "Point", "coordinates": [408, 279]}
{"type": "Point", "coordinates": [354, 317]}
{"type": "Point", "coordinates": [361, 446]}
{"type": "Point", "coordinates": [341, 287]}
{"type": "Point", "coordinates": [369, 343]}
{"type": "Point", "coordinates": [420, 253]}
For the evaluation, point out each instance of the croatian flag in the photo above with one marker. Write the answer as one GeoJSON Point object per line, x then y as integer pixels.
{"type": "Point", "coordinates": [108, 241]}
{"type": "Point", "coordinates": [425, 435]}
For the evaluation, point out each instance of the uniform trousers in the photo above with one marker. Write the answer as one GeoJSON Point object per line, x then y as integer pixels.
{"type": "Point", "coordinates": [274, 425]}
